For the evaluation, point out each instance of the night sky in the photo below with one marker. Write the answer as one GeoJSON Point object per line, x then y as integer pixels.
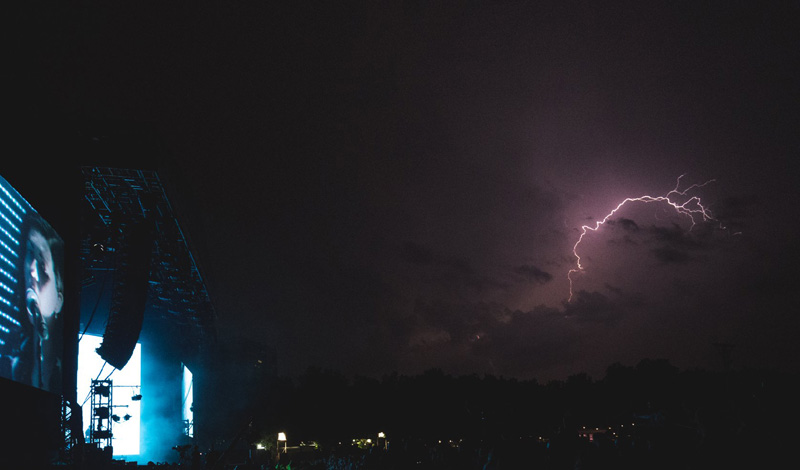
{"type": "Point", "coordinates": [373, 187]}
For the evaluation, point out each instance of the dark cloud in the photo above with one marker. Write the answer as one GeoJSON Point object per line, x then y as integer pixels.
{"type": "Point", "coordinates": [462, 322]}
{"type": "Point", "coordinates": [675, 235]}
{"type": "Point", "coordinates": [629, 229]}
{"type": "Point", "coordinates": [593, 307]}
{"type": "Point", "coordinates": [735, 212]}
{"type": "Point", "coordinates": [449, 272]}
{"type": "Point", "coordinates": [493, 338]}
{"type": "Point", "coordinates": [534, 274]}
{"type": "Point", "coordinates": [676, 245]}
{"type": "Point", "coordinates": [417, 254]}
{"type": "Point", "coordinates": [485, 337]}
{"type": "Point", "coordinates": [671, 255]}
{"type": "Point", "coordinates": [628, 225]}
{"type": "Point", "coordinates": [625, 240]}
{"type": "Point", "coordinates": [612, 289]}
{"type": "Point", "coordinates": [541, 340]}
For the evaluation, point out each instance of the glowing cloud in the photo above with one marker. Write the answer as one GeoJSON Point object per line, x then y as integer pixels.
{"type": "Point", "coordinates": [691, 207]}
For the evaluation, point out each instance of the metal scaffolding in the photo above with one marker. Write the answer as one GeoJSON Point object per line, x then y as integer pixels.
{"type": "Point", "coordinates": [100, 432]}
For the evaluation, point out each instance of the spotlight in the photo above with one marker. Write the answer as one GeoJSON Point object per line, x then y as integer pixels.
{"type": "Point", "coordinates": [115, 418]}
{"type": "Point", "coordinates": [136, 397]}
{"type": "Point", "coordinates": [126, 417]}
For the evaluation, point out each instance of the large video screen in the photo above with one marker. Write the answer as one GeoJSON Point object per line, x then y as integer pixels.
{"type": "Point", "coordinates": [31, 294]}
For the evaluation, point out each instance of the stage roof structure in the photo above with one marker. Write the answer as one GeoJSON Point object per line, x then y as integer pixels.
{"type": "Point", "coordinates": [177, 291]}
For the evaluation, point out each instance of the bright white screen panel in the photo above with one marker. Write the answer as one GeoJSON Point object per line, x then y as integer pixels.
{"type": "Point", "coordinates": [126, 382]}
{"type": "Point", "coordinates": [188, 401]}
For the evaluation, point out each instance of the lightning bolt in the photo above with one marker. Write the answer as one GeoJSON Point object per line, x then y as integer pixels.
{"type": "Point", "coordinates": [692, 208]}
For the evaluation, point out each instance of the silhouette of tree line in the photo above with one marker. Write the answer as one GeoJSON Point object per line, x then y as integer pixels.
{"type": "Point", "coordinates": [669, 413]}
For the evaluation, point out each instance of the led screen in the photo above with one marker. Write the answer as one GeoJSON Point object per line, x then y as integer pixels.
{"type": "Point", "coordinates": [31, 294]}
{"type": "Point", "coordinates": [125, 419]}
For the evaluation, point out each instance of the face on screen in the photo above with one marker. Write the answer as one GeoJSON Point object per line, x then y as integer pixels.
{"type": "Point", "coordinates": [41, 277]}
{"type": "Point", "coordinates": [38, 361]}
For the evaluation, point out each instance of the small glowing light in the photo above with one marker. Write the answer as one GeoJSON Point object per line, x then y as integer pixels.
{"type": "Point", "coordinates": [4, 245]}
{"type": "Point", "coordinates": [381, 435]}
{"type": "Point", "coordinates": [7, 260]}
{"type": "Point", "coordinates": [8, 318]}
{"type": "Point", "coordinates": [260, 446]}
{"type": "Point", "coordinates": [10, 223]}
{"type": "Point", "coordinates": [281, 436]}
{"type": "Point", "coordinates": [10, 210]}
{"type": "Point", "coordinates": [13, 199]}
{"type": "Point", "coordinates": [8, 275]}
{"type": "Point", "coordinates": [10, 237]}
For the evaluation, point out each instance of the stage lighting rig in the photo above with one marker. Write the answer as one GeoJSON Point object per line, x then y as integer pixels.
{"type": "Point", "coordinates": [116, 418]}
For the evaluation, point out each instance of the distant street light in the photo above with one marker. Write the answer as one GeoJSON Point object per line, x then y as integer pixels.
{"type": "Point", "coordinates": [282, 438]}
